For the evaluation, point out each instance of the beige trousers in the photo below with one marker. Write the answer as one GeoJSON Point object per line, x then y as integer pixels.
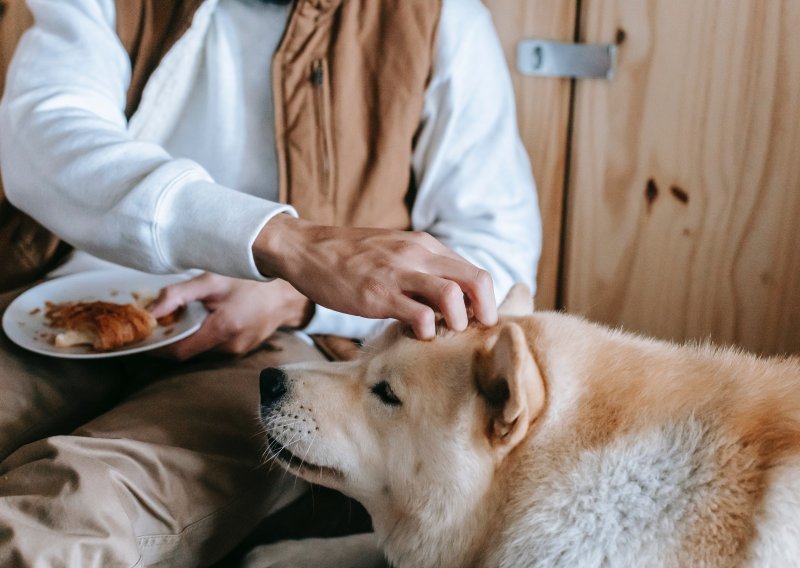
{"type": "Point", "coordinates": [133, 461]}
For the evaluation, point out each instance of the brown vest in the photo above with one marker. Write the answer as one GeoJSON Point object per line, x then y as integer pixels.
{"type": "Point", "coordinates": [349, 80]}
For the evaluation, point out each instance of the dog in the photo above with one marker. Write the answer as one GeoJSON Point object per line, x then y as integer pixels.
{"type": "Point", "coordinates": [547, 440]}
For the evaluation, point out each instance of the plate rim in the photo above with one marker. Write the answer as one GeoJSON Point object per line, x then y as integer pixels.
{"type": "Point", "coordinates": [122, 352]}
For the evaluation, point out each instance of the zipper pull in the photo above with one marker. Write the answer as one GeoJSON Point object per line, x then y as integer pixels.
{"type": "Point", "coordinates": [317, 74]}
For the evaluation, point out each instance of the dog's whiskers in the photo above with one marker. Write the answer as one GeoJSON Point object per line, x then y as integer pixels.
{"type": "Point", "coordinates": [305, 456]}
{"type": "Point", "coordinates": [288, 445]}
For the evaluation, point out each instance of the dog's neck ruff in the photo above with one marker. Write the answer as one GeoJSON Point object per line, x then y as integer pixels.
{"type": "Point", "coordinates": [634, 501]}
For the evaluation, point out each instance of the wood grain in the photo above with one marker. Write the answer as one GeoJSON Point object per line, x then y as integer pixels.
{"type": "Point", "coordinates": [14, 20]}
{"type": "Point", "coordinates": [543, 116]}
{"type": "Point", "coordinates": [684, 201]}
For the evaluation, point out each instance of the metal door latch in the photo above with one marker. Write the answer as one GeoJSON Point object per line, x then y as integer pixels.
{"type": "Point", "coordinates": [559, 59]}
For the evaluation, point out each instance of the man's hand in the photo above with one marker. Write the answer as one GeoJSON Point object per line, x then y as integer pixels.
{"type": "Point", "coordinates": [243, 313]}
{"type": "Point", "coordinates": [376, 273]}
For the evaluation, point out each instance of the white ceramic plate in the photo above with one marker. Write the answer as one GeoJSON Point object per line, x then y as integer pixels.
{"type": "Point", "coordinates": [25, 325]}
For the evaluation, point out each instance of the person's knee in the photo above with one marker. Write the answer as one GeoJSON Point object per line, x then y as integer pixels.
{"type": "Point", "coordinates": [60, 499]}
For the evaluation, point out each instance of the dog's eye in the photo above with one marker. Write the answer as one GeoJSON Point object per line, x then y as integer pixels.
{"type": "Point", "coordinates": [384, 392]}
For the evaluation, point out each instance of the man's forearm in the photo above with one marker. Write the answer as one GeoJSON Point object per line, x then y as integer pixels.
{"type": "Point", "coordinates": [70, 160]}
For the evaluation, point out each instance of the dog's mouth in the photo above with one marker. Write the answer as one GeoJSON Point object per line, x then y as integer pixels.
{"type": "Point", "coordinates": [297, 463]}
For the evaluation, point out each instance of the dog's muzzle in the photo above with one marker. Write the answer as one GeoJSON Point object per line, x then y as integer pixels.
{"type": "Point", "coordinates": [274, 385]}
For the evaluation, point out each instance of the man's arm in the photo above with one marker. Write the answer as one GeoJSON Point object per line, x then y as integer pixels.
{"type": "Point", "coordinates": [68, 160]}
{"type": "Point", "coordinates": [475, 190]}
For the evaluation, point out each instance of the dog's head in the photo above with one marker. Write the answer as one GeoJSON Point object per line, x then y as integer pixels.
{"type": "Point", "coordinates": [411, 425]}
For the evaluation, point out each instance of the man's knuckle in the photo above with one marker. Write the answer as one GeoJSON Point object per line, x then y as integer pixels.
{"type": "Point", "coordinates": [451, 293]}
{"type": "Point", "coordinates": [450, 298]}
{"type": "Point", "coordinates": [237, 348]}
{"type": "Point", "coordinates": [482, 279]}
{"type": "Point", "coordinates": [422, 317]}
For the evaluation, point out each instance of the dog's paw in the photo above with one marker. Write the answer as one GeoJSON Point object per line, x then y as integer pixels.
{"type": "Point", "coordinates": [356, 551]}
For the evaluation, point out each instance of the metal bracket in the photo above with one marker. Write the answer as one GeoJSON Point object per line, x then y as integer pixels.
{"type": "Point", "coordinates": [558, 59]}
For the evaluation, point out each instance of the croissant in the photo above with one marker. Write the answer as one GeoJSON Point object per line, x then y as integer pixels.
{"type": "Point", "coordinates": [103, 325]}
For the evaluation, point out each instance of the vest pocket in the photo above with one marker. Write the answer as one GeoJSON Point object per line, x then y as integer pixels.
{"type": "Point", "coordinates": [320, 82]}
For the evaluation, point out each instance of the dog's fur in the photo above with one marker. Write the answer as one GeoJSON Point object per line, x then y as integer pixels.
{"type": "Point", "coordinates": [548, 440]}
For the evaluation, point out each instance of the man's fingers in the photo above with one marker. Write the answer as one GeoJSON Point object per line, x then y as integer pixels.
{"type": "Point", "coordinates": [419, 316]}
{"type": "Point", "coordinates": [173, 297]}
{"type": "Point", "coordinates": [480, 290]}
{"type": "Point", "coordinates": [446, 295]}
{"type": "Point", "coordinates": [475, 283]}
{"type": "Point", "coordinates": [206, 338]}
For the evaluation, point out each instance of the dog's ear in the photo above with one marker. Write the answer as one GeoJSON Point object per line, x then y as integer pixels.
{"type": "Point", "coordinates": [518, 302]}
{"type": "Point", "coordinates": [511, 382]}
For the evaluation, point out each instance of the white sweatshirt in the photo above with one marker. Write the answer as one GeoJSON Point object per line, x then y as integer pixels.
{"type": "Point", "coordinates": [191, 180]}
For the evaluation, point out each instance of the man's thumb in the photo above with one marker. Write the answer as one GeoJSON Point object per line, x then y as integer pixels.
{"type": "Point", "coordinates": [178, 295]}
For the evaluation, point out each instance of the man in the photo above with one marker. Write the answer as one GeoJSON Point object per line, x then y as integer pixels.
{"type": "Point", "coordinates": [157, 135]}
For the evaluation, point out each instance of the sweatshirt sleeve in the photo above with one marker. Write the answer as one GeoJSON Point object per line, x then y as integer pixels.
{"type": "Point", "coordinates": [68, 160]}
{"type": "Point", "coordinates": [476, 193]}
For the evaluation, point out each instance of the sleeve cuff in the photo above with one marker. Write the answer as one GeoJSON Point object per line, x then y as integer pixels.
{"type": "Point", "coordinates": [327, 321]}
{"type": "Point", "coordinates": [201, 224]}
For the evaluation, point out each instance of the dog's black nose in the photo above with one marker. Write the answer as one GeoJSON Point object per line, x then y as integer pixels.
{"type": "Point", "coordinates": [273, 385]}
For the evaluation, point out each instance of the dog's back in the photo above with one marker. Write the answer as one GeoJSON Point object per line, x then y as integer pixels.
{"type": "Point", "coordinates": [654, 454]}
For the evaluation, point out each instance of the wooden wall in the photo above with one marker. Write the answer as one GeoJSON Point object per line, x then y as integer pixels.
{"type": "Point", "coordinates": [683, 191]}
{"type": "Point", "coordinates": [684, 195]}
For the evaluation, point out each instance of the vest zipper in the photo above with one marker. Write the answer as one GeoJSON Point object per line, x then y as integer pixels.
{"type": "Point", "coordinates": [318, 81]}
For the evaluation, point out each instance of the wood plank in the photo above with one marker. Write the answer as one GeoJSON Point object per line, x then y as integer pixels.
{"type": "Point", "coordinates": [543, 116]}
{"type": "Point", "coordinates": [685, 189]}
{"type": "Point", "coordinates": [14, 20]}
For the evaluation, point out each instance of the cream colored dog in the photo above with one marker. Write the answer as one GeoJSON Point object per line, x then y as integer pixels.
{"type": "Point", "coordinates": [550, 441]}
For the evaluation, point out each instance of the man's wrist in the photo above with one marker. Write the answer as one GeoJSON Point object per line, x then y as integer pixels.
{"type": "Point", "coordinates": [271, 247]}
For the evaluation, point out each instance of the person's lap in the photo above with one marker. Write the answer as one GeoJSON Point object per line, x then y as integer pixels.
{"type": "Point", "coordinates": [172, 474]}
{"type": "Point", "coordinates": [44, 395]}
